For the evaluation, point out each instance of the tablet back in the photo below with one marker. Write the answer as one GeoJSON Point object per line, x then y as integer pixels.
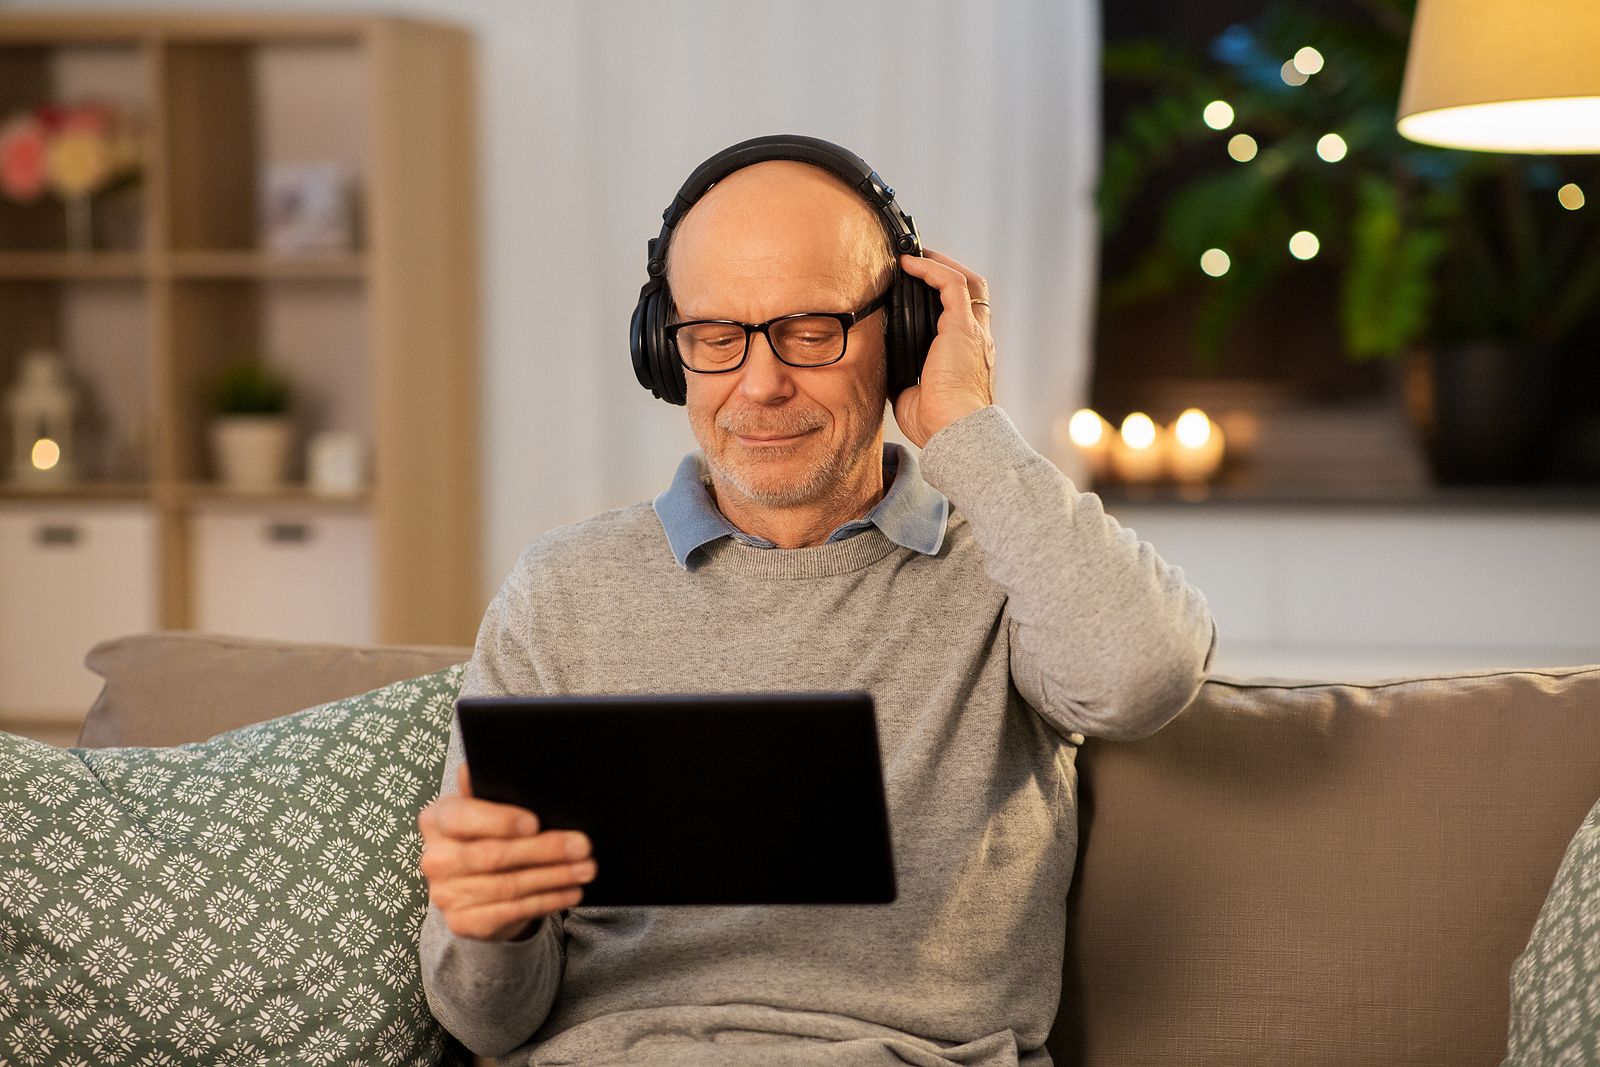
{"type": "Point", "coordinates": [755, 798]}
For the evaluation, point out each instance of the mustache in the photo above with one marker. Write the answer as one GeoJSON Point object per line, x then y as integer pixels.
{"type": "Point", "coordinates": [779, 423]}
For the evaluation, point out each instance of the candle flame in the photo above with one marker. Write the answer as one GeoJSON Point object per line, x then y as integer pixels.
{"type": "Point", "coordinates": [1193, 428]}
{"type": "Point", "coordinates": [1138, 431]}
{"type": "Point", "coordinates": [1086, 428]}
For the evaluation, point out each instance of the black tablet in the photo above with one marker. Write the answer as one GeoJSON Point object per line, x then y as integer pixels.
{"type": "Point", "coordinates": [753, 798]}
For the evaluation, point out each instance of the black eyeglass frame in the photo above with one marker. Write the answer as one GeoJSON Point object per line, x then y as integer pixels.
{"type": "Point", "coordinates": [847, 319]}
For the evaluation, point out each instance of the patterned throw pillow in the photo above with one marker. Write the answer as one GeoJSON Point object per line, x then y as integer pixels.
{"type": "Point", "coordinates": [250, 899]}
{"type": "Point", "coordinates": [1555, 983]}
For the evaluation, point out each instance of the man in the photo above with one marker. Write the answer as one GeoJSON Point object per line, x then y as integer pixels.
{"type": "Point", "coordinates": [994, 612]}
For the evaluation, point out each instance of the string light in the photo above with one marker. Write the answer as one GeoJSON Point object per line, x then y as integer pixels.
{"type": "Point", "coordinates": [1331, 147]}
{"type": "Point", "coordinates": [1571, 196]}
{"type": "Point", "coordinates": [1242, 147]}
{"type": "Point", "coordinates": [1307, 61]}
{"type": "Point", "coordinates": [1215, 262]}
{"type": "Point", "coordinates": [1218, 114]}
{"type": "Point", "coordinates": [1304, 245]}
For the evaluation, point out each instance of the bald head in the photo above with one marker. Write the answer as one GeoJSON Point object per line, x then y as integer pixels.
{"type": "Point", "coordinates": [774, 223]}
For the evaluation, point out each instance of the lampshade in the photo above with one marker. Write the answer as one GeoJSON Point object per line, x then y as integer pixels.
{"type": "Point", "coordinates": [1504, 75]}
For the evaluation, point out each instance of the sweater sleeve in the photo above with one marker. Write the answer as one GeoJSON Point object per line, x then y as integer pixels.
{"type": "Point", "coordinates": [1107, 639]}
{"type": "Point", "coordinates": [492, 995]}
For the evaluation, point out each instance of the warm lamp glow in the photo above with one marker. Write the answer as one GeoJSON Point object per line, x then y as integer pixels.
{"type": "Point", "coordinates": [1086, 428]}
{"type": "Point", "coordinates": [46, 454]}
{"type": "Point", "coordinates": [1504, 76]}
{"type": "Point", "coordinates": [1242, 147]}
{"type": "Point", "coordinates": [1218, 114]}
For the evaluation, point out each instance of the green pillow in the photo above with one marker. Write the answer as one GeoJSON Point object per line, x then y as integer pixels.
{"type": "Point", "coordinates": [1555, 983]}
{"type": "Point", "coordinates": [250, 899]}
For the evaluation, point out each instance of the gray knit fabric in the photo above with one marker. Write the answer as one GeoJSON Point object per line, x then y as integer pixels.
{"type": "Point", "coordinates": [1041, 618]}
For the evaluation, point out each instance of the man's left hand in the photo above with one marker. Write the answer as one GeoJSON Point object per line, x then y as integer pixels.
{"type": "Point", "coordinates": [958, 377]}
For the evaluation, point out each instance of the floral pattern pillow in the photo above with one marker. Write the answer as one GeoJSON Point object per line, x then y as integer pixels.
{"type": "Point", "coordinates": [250, 899]}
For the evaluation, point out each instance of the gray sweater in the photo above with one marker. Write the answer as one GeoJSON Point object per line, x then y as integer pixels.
{"type": "Point", "coordinates": [1040, 619]}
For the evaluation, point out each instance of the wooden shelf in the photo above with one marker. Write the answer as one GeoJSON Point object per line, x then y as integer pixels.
{"type": "Point", "coordinates": [77, 492]}
{"type": "Point", "coordinates": [371, 340]}
{"type": "Point", "coordinates": [261, 265]}
{"type": "Point", "coordinates": [208, 494]}
{"type": "Point", "coordinates": [73, 266]}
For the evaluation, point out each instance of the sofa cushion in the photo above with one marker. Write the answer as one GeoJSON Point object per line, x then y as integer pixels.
{"type": "Point", "coordinates": [174, 687]}
{"type": "Point", "coordinates": [1317, 873]}
{"type": "Point", "coordinates": [253, 898]}
{"type": "Point", "coordinates": [1555, 984]}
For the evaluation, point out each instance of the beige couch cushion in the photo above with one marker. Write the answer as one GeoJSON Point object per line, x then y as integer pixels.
{"type": "Point", "coordinates": [1305, 873]}
{"type": "Point", "coordinates": [174, 687]}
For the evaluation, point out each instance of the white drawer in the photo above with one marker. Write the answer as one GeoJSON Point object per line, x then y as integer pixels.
{"type": "Point", "coordinates": [71, 576]}
{"type": "Point", "coordinates": [292, 574]}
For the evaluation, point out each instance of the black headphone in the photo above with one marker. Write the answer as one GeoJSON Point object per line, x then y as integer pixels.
{"type": "Point", "coordinates": [913, 306]}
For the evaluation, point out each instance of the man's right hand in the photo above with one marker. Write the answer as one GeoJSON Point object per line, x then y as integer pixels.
{"type": "Point", "coordinates": [490, 872]}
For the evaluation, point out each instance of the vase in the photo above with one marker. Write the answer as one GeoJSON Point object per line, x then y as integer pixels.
{"type": "Point", "coordinates": [1484, 411]}
{"type": "Point", "coordinates": [251, 451]}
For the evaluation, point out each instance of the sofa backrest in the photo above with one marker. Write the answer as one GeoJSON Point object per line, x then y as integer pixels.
{"type": "Point", "coordinates": [1306, 873]}
{"type": "Point", "coordinates": [174, 687]}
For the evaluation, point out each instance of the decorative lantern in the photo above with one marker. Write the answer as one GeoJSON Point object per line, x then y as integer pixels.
{"type": "Point", "coordinates": [40, 405]}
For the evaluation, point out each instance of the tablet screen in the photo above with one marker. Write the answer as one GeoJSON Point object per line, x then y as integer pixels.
{"type": "Point", "coordinates": [752, 798]}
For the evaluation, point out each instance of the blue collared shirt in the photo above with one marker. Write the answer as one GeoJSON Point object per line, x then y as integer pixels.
{"type": "Point", "coordinates": [912, 514]}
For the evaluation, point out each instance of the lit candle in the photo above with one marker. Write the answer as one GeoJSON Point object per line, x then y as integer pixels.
{"type": "Point", "coordinates": [1091, 435]}
{"type": "Point", "coordinates": [1194, 451]}
{"type": "Point", "coordinates": [1136, 452]}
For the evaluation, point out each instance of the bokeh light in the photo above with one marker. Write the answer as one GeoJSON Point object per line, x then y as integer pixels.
{"type": "Point", "coordinates": [1242, 147]}
{"type": "Point", "coordinates": [1138, 430]}
{"type": "Point", "coordinates": [1215, 262]}
{"type": "Point", "coordinates": [1331, 148]}
{"type": "Point", "coordinates": [1290, 75]}
{"type": "Point", "coordinates": [1304, 245]}
{"type": "Point", "coordinates": [1192, 429]}
{"type": "Point", "coordinates": [1218, 114]}
{"type": "Point", "coordinates": [1307, 61]}
{"type": "Point", "coordinates": [46, 454]}
{"type": "Point", "coordinates": [1571, 196]}
{"type": "Point", "coordinates": [1086, 428]}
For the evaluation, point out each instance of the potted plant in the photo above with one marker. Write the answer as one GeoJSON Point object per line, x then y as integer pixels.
{"type": "Point", "coordinates": [1473, 269]}
{"type": "Point", "coordinates": [251, 433]}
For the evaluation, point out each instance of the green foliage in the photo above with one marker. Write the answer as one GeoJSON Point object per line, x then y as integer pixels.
{"type": "Point", "coordinates": [1427, 242]}
{"type": "Point", "coordinates": [248, 386]}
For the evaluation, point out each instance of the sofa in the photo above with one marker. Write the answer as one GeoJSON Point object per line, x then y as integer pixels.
{"type": "Point", "coordinates": [1291, 872]}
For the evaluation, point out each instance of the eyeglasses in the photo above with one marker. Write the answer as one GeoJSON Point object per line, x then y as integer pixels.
{"type": "Point", "coordinates": [804, 339]}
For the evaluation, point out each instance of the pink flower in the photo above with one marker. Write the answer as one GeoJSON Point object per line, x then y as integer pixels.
{"type": "Point", "coordinates": [22, 158]}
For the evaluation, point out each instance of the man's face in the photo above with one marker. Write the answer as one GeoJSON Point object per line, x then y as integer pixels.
{"type": "Point", "coordinates": [774, 239]}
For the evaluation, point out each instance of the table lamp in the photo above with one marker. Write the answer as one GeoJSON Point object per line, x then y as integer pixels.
{"type": "Point", "coordinates": [1504, 75]}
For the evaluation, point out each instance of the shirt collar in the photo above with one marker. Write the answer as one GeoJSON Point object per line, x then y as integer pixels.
{"type": "Point", "coordinates": [912, 514]}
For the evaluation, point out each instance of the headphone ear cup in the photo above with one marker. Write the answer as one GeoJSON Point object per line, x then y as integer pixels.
{"type": "Point", "coordinates": [668, 371]}
{"type": "Point", "coordinates": [916, 306]}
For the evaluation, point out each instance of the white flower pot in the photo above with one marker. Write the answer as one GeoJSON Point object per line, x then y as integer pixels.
{"type": "Point", "coordinates": [251, 451]}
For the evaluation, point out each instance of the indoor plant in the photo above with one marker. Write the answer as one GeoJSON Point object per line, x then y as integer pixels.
{"type": "Point", "coordinates": [1472, 267]}
{"type": "Point", "coordinates": [251, 433]}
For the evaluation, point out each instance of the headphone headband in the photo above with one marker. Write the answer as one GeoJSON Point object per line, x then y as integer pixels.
{"type": "Point", "coordinates": [914, 308]}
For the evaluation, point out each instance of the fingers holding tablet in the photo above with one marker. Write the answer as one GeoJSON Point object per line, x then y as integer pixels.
{"type": "Point", "coordinates": [491, 872]}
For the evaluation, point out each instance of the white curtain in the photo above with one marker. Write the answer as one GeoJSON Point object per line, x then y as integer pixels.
{"type": "Point", "coordinates": [983, 115]}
